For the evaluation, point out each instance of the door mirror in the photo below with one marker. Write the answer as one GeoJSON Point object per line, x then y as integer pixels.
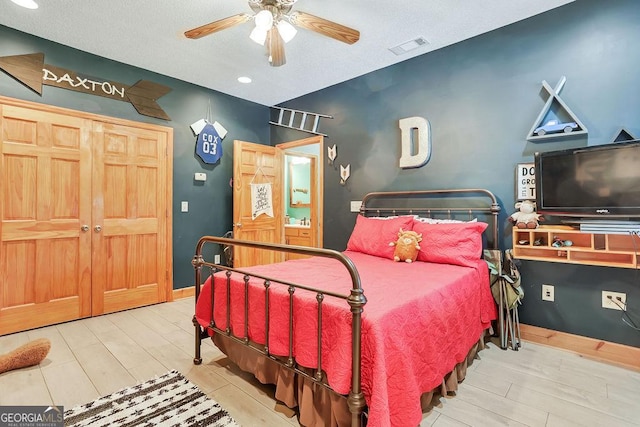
{"type": "Point", "coordinates": [299, 181]}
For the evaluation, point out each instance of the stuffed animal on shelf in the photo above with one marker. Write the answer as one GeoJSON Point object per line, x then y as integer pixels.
{"type": "Point", "coordinates": [525, 217]}
{"type": "Point", "coordinates": [29, 354]}
{"type": "Point", "coordinates": [407, 246]}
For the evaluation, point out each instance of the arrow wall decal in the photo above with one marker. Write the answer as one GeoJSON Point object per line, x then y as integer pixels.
{"type": "Point", "coordinates": [31, 71]}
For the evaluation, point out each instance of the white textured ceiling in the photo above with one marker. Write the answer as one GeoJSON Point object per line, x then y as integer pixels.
{"type": "Point", "coordinates": [149, 34]}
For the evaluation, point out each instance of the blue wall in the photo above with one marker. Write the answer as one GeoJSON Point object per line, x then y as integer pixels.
{"type": "Point", "coordinates": [210, 203]}
{"type": "Point", "coordinates": [482, 97]}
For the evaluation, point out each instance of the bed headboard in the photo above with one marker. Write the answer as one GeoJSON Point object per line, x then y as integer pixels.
{"type": "Point", "coordinates": [463, 204]}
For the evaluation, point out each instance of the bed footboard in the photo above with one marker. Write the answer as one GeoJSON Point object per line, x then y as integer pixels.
{"type": "Point", "coordinates": [355, 299]}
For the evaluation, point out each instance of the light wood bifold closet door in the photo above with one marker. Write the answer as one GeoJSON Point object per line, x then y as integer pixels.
{"type": "Point", "coordinates": [85, 218]}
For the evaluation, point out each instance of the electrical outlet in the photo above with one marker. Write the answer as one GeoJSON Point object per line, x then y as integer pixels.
{"type": "Point", "coordinates": [608, 298]}
{"type": "Point", "coordinates": [355, 205]}
{"type": "Point", "coordinates": [216, 259]}
{"type": "Point", "coordinates": [547, 293]}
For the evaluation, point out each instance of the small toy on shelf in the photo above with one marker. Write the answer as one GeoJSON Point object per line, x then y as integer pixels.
{"type": "Point", "coordinates": [525, 217]}
{"type": "Point", "coordinates": [554, 126]}
{"type": "Point", "coordinates": [558, 242]}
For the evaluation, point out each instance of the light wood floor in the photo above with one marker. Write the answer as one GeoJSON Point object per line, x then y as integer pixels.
{"type": "Point", "coordinates": [535, 386]}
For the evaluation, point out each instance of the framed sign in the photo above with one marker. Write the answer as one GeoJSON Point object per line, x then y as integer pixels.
{"type": "Point", "coordinates": [525, 181]}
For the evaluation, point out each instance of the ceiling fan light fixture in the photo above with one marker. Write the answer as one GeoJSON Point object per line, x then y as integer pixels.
{"type": "Point", "coordinates": [258, 35]}
{"type": "Point", "coordinates": [275, 24]}
{"type": "Point", "coordinates": [286, 30]}
{"type": "Point", "coordinates": [264, 20]}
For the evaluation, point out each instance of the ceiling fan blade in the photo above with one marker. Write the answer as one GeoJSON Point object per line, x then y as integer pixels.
{"type": "Point", "coordinates": [325, 27]}
{"type": "Point", "coordinates": [275, 46]}
{"type": "Point", "coordinates": [215, 26]}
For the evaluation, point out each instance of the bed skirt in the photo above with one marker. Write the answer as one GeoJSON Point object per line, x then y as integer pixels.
{"type": "Point", "coordinates": [316, 405]}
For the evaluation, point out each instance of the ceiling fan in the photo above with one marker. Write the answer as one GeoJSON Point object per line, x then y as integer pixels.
{"type": "Point", "coordinates": [275, 23]}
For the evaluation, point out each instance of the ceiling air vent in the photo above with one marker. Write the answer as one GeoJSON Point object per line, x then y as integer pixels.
{"type": "Point", "coordinates": [408, 46]}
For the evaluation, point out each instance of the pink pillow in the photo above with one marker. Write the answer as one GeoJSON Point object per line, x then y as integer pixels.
{"type": "Point", "coordinates": [373, 235]}
{"type": "Point", "coordinates": [451, 243]}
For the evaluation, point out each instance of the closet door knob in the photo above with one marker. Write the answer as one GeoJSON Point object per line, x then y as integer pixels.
{"type": "Point", "coordinates": [97, 228]}
{"type": "Point", "coordinates": [84, 228]}
{"type": "Point", "coordinates": [238, 224]}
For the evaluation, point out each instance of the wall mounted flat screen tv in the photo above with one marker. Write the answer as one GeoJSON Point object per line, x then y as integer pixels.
{"type": "Point", "coordinates": [598, 181]}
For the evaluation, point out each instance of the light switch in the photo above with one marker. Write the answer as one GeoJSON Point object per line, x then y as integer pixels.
{"type": "Point", "coordinates": [200, 176]}
{"type": "Point", "coordinates": [185, 207]}
{"type": "Point", "coordinates": [355, 205]}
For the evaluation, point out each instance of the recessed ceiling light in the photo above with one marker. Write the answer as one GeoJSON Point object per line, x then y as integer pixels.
{"type": "Point", "coordinates": [244, 79]}
{"type": "Point", "coordinates": [29, 4]}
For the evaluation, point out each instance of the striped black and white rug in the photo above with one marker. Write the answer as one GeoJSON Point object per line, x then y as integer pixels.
{"type": "Point", "coordinates": [170, 400]}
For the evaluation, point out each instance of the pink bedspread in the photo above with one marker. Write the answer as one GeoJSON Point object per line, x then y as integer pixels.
{"type": "Point", "coordinates": [420, 320]}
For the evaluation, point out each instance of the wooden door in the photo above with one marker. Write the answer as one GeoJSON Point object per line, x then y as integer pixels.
{"type": "Point", "coordinates": [130, 266]}
{"type": "Point", "coordinates": [258, 164]}
{"type": "Point", "coordinates": [45, 200]}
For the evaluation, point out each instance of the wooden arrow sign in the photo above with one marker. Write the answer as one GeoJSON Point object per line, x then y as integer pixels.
{"type": "Point", "coordinates": [31, 71]}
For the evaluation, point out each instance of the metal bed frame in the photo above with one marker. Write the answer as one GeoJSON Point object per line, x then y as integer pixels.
{"type": "Point", "coordinates": [391, 203]}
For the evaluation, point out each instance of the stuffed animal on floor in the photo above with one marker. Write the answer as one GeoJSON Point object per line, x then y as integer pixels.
{"type": "Point", "coordinates": [29, 354]}
{"type": "Point", "coordinates": [407, 246]}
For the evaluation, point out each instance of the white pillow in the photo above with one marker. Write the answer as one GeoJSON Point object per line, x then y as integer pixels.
{"type": "Point", "coordinates": [426, 220]}
{"type": "Point", "coordinates": [392, 217]}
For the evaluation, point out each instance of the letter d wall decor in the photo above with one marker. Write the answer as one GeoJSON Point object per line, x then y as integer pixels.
{"type": "Point", "coordinates": [31, 71]}
{"type": "Point", "coordinates": [419, 127]}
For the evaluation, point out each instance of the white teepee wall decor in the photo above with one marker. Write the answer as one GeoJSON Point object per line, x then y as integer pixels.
{"type": "Point", "coordinates": [556, 120]}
